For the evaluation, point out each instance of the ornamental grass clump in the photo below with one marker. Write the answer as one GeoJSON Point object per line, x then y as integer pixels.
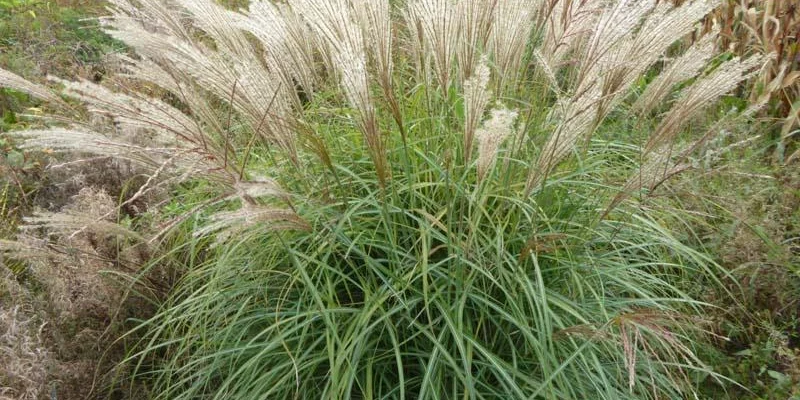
{"type": "Point", "coordinates": [422, 199]}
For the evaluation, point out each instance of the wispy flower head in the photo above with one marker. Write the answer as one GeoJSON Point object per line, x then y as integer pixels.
{"type": "Point", "coordinates": [628, 38]}
{"type": "Point", "coordinates": [16, 82]}
{"type": "Point", "coordinates": [682, 68]}
{"type": "Point", "coordinates": [334, 24]}
{"type": "Point", "coordinates": [491, 135]}
{"type": "Point", "coordinates": [476, 98]}
{"type": "Point", "coordinates": [439, 26]}
{"type": "Point", "coordinates": [286, 40]}
{"type": "Point", "coordinates": [512, 27]}
{"type": "Point", "coordinates": [476, 18]}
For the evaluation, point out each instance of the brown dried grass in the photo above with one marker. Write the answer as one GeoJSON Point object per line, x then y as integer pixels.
{"type": "Point", "coordinates": [768, 27]}
{"type": "Point", "coordinates": [61, 338]}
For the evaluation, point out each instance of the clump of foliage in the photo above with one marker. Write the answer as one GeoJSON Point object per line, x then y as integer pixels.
{"type": "Point", "coordinates": [428, 199]}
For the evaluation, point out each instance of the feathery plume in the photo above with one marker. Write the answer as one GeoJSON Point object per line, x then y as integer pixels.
{"type": "Point", "coordinates": [69, 223]}
{"type": "Point", "coordinates": [168, 164]}
{"type": "Point", "coordinates": [202, 112]}
{"type": "Point", "coordinates": [476, 98]}
{"type": "Point", "coordinates": [166, 121]}
{"type": "Point", "coordinates": [219, 24]}
{"type": "Point", "coordinates": [491, 135]}
{"type": "Point", "coordinates": [375, 20]}
{"type": "Point", "coordinates": [258, 187]}
{"type": "Point", "coordinates": [242, 82]}
{"type": "Point", "coordinates": [629, 37]}
{"type": "Point", "coordinates": [699, 95]}
{"type": "Point", "coordinates": [683, 68]}
{"type": "Point", "coordinates": [415, 44]}
{"type": "Point", "coordinates": [511, 29]}
{"type": "Point", "coordinates": [604, 51]}
{"type": "Point", "coordinates": [16, 82]}
{"type": "Point", "coordinates": [577, 117]}
{"type": "Point", "coordinates": [25, 249]}
{"type": "Point", "coordinates": [231, 71]}
{"type": "Point", "coordinates": [285, 40]}
{"type": "Point", "coordinates": [567, 24]}
{"type": "Point", "coordinates": [660, 30]}
{"type": "Point", "coordinates": [251, 214]}
{"type": "Point", "coordinates": [157, 16]}
{"type": "Point", "coordinates": [332, 22]}
{"type": "Point", "coordinates": [227, 224]}
{"type": "Point", "coordinates": [439, 25]}
{"type": "Point", "coordinates": [475, 19]}
{"type": "Point", "coordinates": [658, 154]}
{"type": "Point", "coordinates": [607, 64]}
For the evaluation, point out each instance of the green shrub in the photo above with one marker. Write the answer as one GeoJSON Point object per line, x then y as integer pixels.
{"type": "Point", "coordinates": [420, 200]}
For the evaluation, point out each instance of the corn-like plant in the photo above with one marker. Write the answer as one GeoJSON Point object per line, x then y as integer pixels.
{"type": "Point", "coordinates": [768, 27]}
{"type": "Point", "coordinates": [417, 199]}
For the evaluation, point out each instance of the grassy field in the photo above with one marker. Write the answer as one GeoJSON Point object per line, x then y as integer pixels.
{"type": "Point", "coordinates": [405, 199]}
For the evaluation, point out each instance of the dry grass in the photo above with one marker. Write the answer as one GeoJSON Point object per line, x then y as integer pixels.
{"type": "Point", "coordinates": [60, 339]}
{"type": "Point", "coordinates": [23, 355]}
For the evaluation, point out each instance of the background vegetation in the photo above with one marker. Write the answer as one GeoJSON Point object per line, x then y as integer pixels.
{"type": "Point", "coordinates": [740, 206]}
{"type": "Point", "coordinates": [59, 319]}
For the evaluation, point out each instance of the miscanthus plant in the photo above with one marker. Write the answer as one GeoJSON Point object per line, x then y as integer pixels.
{"type": "Point", "coordinates": [418, 199]}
